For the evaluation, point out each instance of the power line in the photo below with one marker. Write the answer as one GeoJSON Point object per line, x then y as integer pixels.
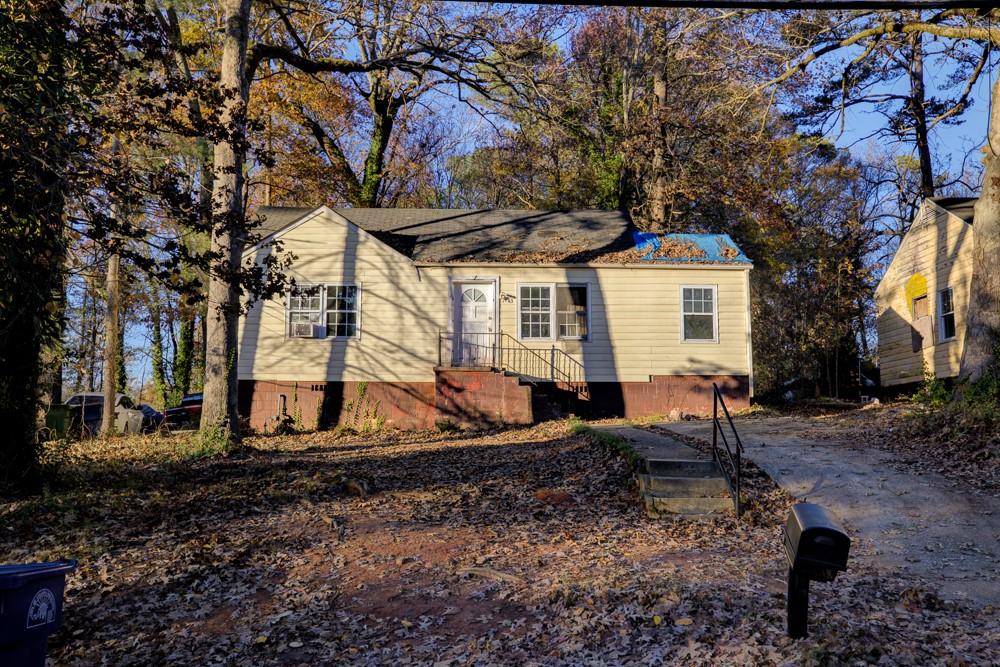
{"type": "Point", "coordinates": [831, 5]}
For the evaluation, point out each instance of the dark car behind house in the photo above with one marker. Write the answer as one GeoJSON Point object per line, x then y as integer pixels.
{"type": "Point", "coordinates": [86, 411]}
{"type": "Point", "coordinates": [152, 418]}
{"type": "Point", "coordinates": [185, 415]}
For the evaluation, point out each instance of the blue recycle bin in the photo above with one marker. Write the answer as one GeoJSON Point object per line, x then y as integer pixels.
{"type": "Point", "coordinates": [31, 600]}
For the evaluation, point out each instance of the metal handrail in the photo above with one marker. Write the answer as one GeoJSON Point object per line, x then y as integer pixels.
{"type": "Point", "coordinates": [502, 351]}
{"type": "Point", "coordinates": [734, 480]}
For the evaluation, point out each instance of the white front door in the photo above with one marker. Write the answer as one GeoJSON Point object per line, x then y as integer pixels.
{"type": "Point", "coordinates": [475, 310]}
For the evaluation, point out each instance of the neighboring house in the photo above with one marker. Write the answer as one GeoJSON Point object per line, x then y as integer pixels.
{"type": "Point", "coordinates": [923, 297]}
{"type": "Point", "coordinates": [411, 316]}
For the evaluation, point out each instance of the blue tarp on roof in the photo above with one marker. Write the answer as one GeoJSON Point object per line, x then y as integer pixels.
{"type": "Point", "coordinates": [712, 245]}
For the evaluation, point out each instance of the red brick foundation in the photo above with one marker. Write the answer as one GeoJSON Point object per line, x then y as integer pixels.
{"type": "Point", "coordinates": [690, 393]}
{"type": "Point", "coordinates": [405, 405]}
{"type": "Point", "coordinates": [469, 397]}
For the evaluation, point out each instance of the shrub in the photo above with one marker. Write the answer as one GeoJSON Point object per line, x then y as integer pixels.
{"type": "Point", "coordinates": [932, 394]}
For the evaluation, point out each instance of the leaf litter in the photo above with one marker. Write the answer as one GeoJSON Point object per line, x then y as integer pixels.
{"type": "Point", "coordinates": [519, 546]}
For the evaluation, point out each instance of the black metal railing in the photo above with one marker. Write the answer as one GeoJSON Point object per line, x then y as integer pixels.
{"type": "Point", "coordinates": [732, 466]}
{"type": "Point", "coordinates": [502, 351]}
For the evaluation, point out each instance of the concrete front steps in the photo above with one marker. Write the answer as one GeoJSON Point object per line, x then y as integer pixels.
{"type": "Point", "coordinates": [683, 488]}
{"type": "Point", "coordinates": [675, 480]}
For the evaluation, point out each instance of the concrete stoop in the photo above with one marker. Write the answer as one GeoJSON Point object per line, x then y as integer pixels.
{"type": "Point", "coordinates": [683, 489]}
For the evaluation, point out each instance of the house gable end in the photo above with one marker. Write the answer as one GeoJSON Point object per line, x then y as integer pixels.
{"type": "Point", "coordinates": [325, 214]}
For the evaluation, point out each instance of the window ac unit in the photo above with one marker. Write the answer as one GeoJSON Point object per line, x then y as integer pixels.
{"type": "Point", "coordinates": [307, 330]}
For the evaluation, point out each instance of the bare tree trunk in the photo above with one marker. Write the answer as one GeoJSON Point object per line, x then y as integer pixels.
{"type": "Point", "coordinates": [111, 342]}
{"type": "Point", "coordinates": [983, 320]}
{"type": "Point", "coordinates": [658, 194]}
{"type": "Point", "coordinates": [919, 110]}
{"type": "Point", "coordinates": [156, 345]}
{"type": "Point", "coordinates": [219, 410]}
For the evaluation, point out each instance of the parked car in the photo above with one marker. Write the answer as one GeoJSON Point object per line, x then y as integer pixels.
{"type": "Point", "coordinates": [152, 418]}
{"type": "Point", "coordinates": [185, 415]}
{"type": "Point", "coordinates": [87, 411]}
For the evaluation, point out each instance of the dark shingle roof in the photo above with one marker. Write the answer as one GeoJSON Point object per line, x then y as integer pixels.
{"type": "Point", "coordinates": [521, 236]}
{"type": "Point", "coordinates": [961, 207]}
{"type": "Point", "coordinates": [447, 235]}
{"type": "Point", "coordinates": [275, 218]}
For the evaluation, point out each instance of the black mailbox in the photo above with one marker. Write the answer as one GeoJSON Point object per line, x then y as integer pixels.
{"type": "Point", "coordinates": [817, 549]}
{"type": "Point", "coordinates": [815, 543]}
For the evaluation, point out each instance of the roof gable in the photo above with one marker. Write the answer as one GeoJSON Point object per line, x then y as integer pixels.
{"type": "Point", "coordinates": [962, 208]}
{"type": "Point", "coordinates": [278, 221]}
{"type": "Point", "coordinates": [932, 213]}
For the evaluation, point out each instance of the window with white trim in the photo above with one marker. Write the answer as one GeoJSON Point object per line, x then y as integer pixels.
{"type": "Point", "coordinates": [535, 311]}
{"type": "Point", "coordinates": [553, 311]}
{"type": "Point", "coordinates": [341, 311]}
{"type": "Point", "coordinates": [698, 314]}
{"type": "Point", "coordinates": [946, 307]}
{"type": "Point", "coordinates": [323, 311]}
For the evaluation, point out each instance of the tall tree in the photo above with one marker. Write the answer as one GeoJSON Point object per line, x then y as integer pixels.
{"type": "Point", "coordinates": [112, 343]}
{"type": "Point", "coordinates": [37, 75]}
{"type": "Point", "coordinates": [219, 410]}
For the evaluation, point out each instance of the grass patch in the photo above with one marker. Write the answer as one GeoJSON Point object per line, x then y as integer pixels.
{"type": "Point", "coordinates": [606, 440]}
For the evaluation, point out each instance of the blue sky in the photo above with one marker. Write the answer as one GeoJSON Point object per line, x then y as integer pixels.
{"type": "Point", "coordinates": [950, 143]}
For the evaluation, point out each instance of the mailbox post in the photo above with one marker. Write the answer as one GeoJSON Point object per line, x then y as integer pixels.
{"type": "Point", "coordinates": [817, 549]}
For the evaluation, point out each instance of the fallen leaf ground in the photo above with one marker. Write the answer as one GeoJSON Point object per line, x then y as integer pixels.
{"type": "Point", "coordinates": [524, 546]}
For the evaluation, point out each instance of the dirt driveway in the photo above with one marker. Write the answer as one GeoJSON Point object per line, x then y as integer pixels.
{"type": "Point", "coordinates": [518, 547]}
{"type": "Point", "coordinates": [906, 521]}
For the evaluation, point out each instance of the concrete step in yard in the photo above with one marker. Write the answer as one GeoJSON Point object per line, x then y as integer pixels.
{"type": "Point", "coordinates": [676, 481]}
{"type": "Point", "coordinates": [683, 488]}
{"type": "Point", "coordinates": [687, 508]}
{"type": "Point", "coordinates": [692, 489]}
{"type": "Point", "coordinates": [682, 468]}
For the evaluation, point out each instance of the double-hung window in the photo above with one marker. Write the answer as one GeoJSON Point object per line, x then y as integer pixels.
{"type": "Point", "coordinates": [535, 311]}
{"type": "Point", "coordinates": [699, 316]}
{"type": "Point", "coordinates": [553, 311]}
{"type": "Point", "coordinates": [323, 311]}
{"type": "Point", "coordinates": [571, 311]}
{"type": "Point", "coordinates": [946, 313]}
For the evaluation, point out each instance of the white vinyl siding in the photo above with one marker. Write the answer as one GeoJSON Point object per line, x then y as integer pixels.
{"type": "Point", "coordinates": [633, 322]}
{"type": "Point", "coordinates": [938, 247]}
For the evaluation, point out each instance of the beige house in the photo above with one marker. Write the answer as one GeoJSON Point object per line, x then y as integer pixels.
{"type": "Point", "coordinates": [922, 299]}
{"type": "Point", "coordinates": [411, 316]}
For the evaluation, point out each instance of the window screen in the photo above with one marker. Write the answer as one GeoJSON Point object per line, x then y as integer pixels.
{"type": "Point", "coordinates": [571, 311]}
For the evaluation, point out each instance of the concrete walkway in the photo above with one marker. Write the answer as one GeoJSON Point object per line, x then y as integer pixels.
{"type": "Point", "coordinates": [651, 445]}
{"type": "Point", "coordinates": [904, 523]}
